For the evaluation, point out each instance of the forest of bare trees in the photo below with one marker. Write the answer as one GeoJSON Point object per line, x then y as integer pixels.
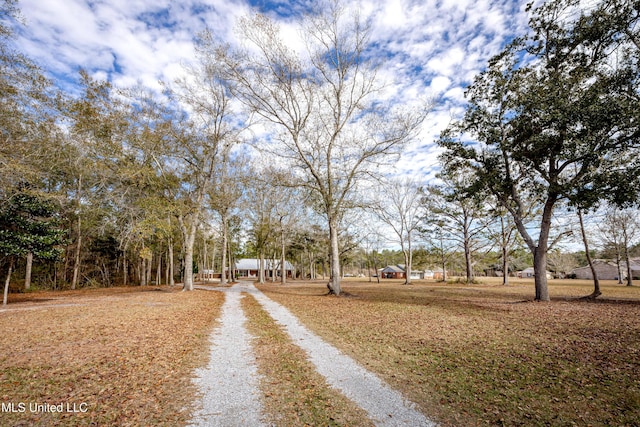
{"type": "Point", "coordinates": [271, 153]}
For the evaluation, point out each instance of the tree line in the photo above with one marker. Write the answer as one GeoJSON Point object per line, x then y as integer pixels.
{"type": "Point", "coordinates": [265, 151]}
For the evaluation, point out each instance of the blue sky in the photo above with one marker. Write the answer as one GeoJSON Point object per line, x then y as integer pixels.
{"type": "Point", "coordinates": [431, 48]}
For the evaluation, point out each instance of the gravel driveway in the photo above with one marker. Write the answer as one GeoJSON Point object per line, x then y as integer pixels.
{"type": "Point", "coordinates": [230, 382]}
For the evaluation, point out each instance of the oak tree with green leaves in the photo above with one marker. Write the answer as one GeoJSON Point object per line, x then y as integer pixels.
{"type": "Point", "coordinates": [556, 117]}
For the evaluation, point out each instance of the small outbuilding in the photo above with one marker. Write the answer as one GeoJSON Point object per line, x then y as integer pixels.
{"type": "Point", "coordinates": [393, 272]}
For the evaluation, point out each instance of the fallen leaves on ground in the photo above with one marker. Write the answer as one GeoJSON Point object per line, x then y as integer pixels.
{"type": "Point", "coordinates": [485, 355]}
{"type": "Point", "coordinates": [118, 356]}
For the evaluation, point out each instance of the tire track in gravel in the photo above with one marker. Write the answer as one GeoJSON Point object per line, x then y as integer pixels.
{"type": "Point", "coordinates": [229, 383]}
{"type": "Point", "coordinates": [384, 405]}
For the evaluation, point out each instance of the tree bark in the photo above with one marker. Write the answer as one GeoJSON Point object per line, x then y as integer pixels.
{"type": "Point", "coordinates": [232, 273]}
{"type": "Point", "coordinates": [159, 270]}
{"type": "Point", "coordinates": [618, 259]}
{"type": "Point", "coordinates": [596, 281]}
{"type": "Point", "coordinates": [125, 269]}
{"type": "Point", "coordinates": [540, 271]}
{"type": "Point", "coordinates": [626, 256]}
{"type": "Point", "coordinates": [505, 252]}
{"type": "Point", "coordinates": [143, 272]}
{"type": "Point", "coordinates": [505, 267]}
{"type": "Point", "coordinates": [27, 275]}
{"type": "Point", "coordinates": [407, 267]}
{"type": "Point", "coordinates": [223, 276]}
{"type": "Point", "coordinates": [76, 263]}
{"type": "Point", "coordinates": [539, 251]}
{"type": "Point", "coordinates": [283, 267]}
{"type": "Point", "coordinates": [334, 279]}
{"type": "Point", "coordinates": [188, 259]}
{"type": "Point", "coordinates": [7, 282]}
{"type": "Point", "coordinates": [467, 261]}
{"type": "Point", "coordinates": [171, 264]}
{"type": "Point", "coordinates": [261, 267]}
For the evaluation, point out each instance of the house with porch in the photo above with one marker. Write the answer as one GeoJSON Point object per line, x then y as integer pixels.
{"type": "Point", "coordinates": [249, 268]}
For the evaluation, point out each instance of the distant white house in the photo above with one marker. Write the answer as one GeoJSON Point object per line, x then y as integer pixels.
{"type": "Point", "coordinates": [249, 268]}
{"type": "Point", "coordinates": [529, 272]}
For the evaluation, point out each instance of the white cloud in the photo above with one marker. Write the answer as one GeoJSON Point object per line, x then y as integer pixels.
{"type": "Point", "coordinates": [427, 47]}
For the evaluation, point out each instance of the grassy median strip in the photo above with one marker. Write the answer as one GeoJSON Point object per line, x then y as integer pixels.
{"type": "Point", "coordinates": [480, 355]}
{"type": "Point", "coordinates": [295, 394]}
{"type": "Point", "coordinates": [119, 356]}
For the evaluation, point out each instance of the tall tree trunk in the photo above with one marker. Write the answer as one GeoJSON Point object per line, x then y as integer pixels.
{"type": "Point", "coordinates": [171, 262]}
{"type": "Point", "coordinates": [585, 241]}
{"type": "Point", "coordinates": [143, 272]}
{"type": "Point", "coordinates": [27, 275]}
{"type": "Point", "coordinates": [410, 263]}
{"type": "Point", "coordinates": [7, 282]}
{"type": "Point", "coordinates": [540, 274]}
{"type": "Point", "coordinates": [232, 273]}
{"type": "Point", "coordinates": [375, 268]}
{"type": "Point", "coordinates": [283, 267]}
{"type": "Point", "coordinates": [618, 260]}
{"type": "Point", "coordinates": [204, 260]}
{"type": "Point", "coordinates": [273, 268]}
{"type": "Point", "coordinates": [76, 263]}
{"type": "Point", "coordinates": [166, 270]}
{"type": "Point", "coordinates": [188, 269]}
{"type": "Point", "coordinates": [467, 262]}
{"type": "Point", "coordinates": [125, 269]}
{"type": "Point", "coordinates": [539, 252]}
{"type": "Point", "coordinates": [629, 272]}
{"type": "Point", "coordinates": [159, 270]}
{"type": "Point", "coordinates": [505, 266]}
{"type": "Point", "coordinates": [627, 259]}
{"type": "Point", "coordinates": [223, 277]}
{"type": "Point", "coordinates": [188, 241]}
{"type": "Point", "coordinates": [407, 268]}
{"type": "Point", "coordinates": [261, 267]}
{"type": "Point", "coordinates": [505, 252]}
{"type": "Point", "coordinates": [334, 279]}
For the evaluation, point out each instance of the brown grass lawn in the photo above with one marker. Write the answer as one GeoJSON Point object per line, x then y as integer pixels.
{"type": "Point", "coordinates": [487, 354]}
{"type": "Point", "coordinates": [467, 355]}
{"type": "Point", "coordinates": [118, 356]}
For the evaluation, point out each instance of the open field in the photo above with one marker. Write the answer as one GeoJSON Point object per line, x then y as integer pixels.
{"type": "Point", "coordinates": [117, 356]}
{"type": "Point", "coordinates": [486, 354]}
{"type": "Point", "coordinates": [468, 355]}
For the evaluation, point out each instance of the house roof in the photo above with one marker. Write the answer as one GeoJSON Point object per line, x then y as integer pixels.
{"type": "Point", "coordinates": [254, 264]}
{"type": "Point", "coordinates": [393, 269]}
{"type": "Point", "coordinates": [635, 264]}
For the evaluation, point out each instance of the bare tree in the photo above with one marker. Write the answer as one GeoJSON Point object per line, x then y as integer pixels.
{"type": "Point", "coordinates": [620, 228]}
{"type": "Point", "coordinates": [464, 217]}
{"type": "Point", "coordinates": [202, 134]}
{"type": "Point", "coordinates": [224, 194]}
{"type": "Point", "coordinates": [321, 105]}
{"type": "Point", "coordinates": [561, 262]}
{"type": "Point", "coordinates": [399, 206]}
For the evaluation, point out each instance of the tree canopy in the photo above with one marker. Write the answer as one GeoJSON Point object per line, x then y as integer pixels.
{"type": "Point", "coordinates": [555, 116]}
